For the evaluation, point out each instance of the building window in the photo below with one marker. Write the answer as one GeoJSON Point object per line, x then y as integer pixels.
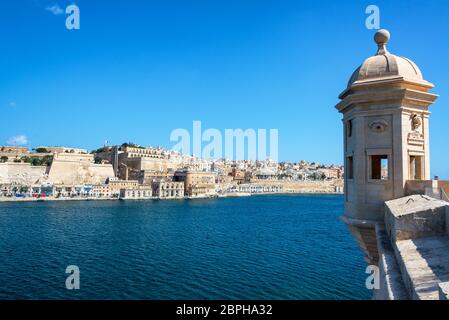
{"type": "Point", "coordinates": [350, 168]}
{"type": "Point", "coordinates": [379, 167]}
{"type": "Point", "coordinates": [415, 168]}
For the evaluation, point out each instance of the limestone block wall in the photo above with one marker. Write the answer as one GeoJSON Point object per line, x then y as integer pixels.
{"type": "Point", "coordinates": [21, 173]}
{"type": "Point", "coordinates": [415, 217]}
{"type": "Point", "coordinates": [444, 184]}
{"type": "Point", "coordinates": [79, 172]}
{"type": "Point", "coordinates": [417, 186]}
{"type": "Point", "coordinates": [305, 186]}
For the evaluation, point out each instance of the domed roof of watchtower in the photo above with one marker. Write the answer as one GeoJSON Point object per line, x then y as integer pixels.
{"type": "Point", "coordinates": [384, 66]}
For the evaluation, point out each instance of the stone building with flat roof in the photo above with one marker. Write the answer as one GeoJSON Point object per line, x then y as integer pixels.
{"type": "Point", "coordinates": [168, 189]}
{"type": "Point", "coordinates": [136, 193]}
{"type": "Point", "coordinates": [146, 164]}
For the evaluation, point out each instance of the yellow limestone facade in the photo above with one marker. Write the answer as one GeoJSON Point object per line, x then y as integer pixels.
{"type": "Point", "coordinates": [21, 173]}
{"type": "Point", "coordinates": [385, 110]}
{"type": "Point", "coordinates": [74, 169]}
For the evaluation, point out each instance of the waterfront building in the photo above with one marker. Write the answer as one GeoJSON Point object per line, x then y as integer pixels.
{"type": "Point", "coordinates": [102, 191]}
{"type": "Point", "coordinates": [168, 189]}
{"type": "Point", "coordinates": [80, 190]}
{"type": "Point", "coordinates": [13, 189]}
{"type": "Point", "coordinates": [84, 190]}
{"type": "Point", "coordinates": [64, 191]}
{"type": "Point", "coordinates": [47, 189]}
{"type": "Point", "coordinates": [197, 183]}
{"type": "Point", "coordinates": [136, 193]}
{"type": "Point", "coordinates": [115, 185]}
{"type": "Point", "coordinates": [385, 109]}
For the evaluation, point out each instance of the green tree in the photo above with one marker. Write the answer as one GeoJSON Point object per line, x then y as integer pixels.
{"type": "Point", "coordinates": [102, 149]}
{"type": "Point", "coordinates": [3, 159]}
{"type": "Point", "coordinates": [25, 159]}
{"type": "Point", "coordinates": [42, 150]}
{"type": "Point", "coordinates": [35, 161]}
{"type": "Point", "coordinates": [47, 160]}
{"type": "Point", "coordinates": [131, 145]}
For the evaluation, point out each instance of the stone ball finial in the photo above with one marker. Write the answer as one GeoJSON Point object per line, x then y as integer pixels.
{"type": "Point", "coordinates": [381, 38]}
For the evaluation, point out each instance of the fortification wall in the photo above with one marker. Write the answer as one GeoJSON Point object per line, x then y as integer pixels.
{"type": "Point", "coordinates": [74, 157]}
{"type": "Point", "coordinates": [74, 172]}
{"type": "Point", "coordinates": [21, 173]}
{"type": "Point", "coordinates": [304, 186]}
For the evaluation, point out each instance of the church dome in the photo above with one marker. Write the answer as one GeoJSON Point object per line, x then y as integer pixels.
{"type": "Point", "coordinates": [385, 64]}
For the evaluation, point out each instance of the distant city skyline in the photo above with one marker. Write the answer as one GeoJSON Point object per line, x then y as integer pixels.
{"type": "Point", "coordinates": [137, 70]}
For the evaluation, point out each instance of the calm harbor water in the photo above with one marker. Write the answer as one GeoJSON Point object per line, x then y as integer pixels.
{"type": "Point", "coordinates": [263, 247]}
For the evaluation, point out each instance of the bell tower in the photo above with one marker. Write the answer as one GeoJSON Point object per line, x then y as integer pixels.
{"type": "Point", "coordinates": [386, 137]}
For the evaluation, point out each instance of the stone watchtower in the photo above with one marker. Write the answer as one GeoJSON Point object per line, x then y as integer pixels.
{"type": "Point", "coordinates": [386, 137]}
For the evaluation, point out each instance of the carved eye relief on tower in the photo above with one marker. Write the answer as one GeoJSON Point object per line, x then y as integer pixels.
{"type": "Point", "coordinates": [378, 125]}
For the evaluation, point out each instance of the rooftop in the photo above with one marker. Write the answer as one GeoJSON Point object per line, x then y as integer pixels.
{"type": "Point", "coordinates": [384, 65]}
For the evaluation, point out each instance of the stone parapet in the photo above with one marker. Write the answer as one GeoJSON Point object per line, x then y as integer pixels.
{"type": "Point", "coordinates": [415, 217]}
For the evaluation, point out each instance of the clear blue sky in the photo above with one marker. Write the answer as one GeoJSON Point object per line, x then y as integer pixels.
{"type": "Point", "coordinates": [139, 69]}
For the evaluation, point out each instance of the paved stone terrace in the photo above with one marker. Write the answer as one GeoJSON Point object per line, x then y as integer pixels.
{"type": "Point", "coordinates": [424, 263]}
